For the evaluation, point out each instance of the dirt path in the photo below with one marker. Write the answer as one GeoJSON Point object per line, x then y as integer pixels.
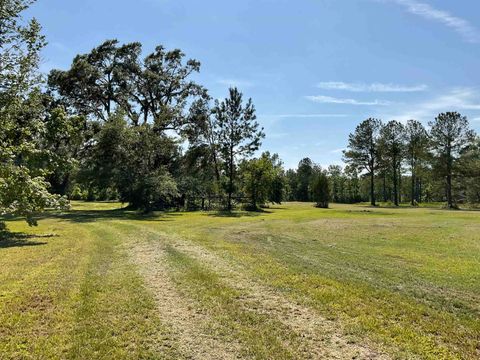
{"type": "Point", "coordinates": [185, 321]}
{"type": "Point", "coordinates": [321, 338]}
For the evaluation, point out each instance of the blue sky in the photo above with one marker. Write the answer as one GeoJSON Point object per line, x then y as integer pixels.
{"type": "Point", "coordinates": [314, 68]}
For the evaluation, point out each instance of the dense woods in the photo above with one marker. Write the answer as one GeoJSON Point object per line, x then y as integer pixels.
{"type": "Point", "coordinates": [122, 124]}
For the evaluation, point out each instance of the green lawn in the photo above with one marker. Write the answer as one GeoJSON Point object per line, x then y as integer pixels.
{"type": "Point", "coordinates": [290, 283]}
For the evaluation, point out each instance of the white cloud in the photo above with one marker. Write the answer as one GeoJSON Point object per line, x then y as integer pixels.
{"type": "Point", "coordinates": [277, 135]}
{"type": "Point", "coordinates": [337, 151]}
{"type": "Point", "coordinates": [374, 87]}
{"type": "Point", "coordinates": [333, 100]}
{"type": "Point", "coordinates": [427, 11]}
{"type": "Point", "coordinates": [241, 84]}
{"type": "Point", "coordinates": [59, 46]}
{"type": "Point", "coordinates": [303, 116]}
{"type": "Point", "coordinates": [458, 99]}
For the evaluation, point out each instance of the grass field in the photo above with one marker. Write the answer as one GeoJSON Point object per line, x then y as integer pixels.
{"type": "Point", "coordinates": [291, 283]}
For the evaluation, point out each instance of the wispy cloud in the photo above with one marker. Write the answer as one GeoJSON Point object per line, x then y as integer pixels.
{"type": "Point", "coordinates": [241, 84]}
{"type": "Point", "coordinates": [462, 26]}
{"type": "Point", "coordinates": [302, 116]}
{"type": "Point", "coordinates": [333, 100]}
{"type": "Point", "coordinates": [59, 46]}
{"type": "Point", "coordinates": [458, 99]}
{"type": "Point", "coordinates": [374, 87]}
{"type": "Point", "coordinates": [277, 135]}
{"type": "Point", "coordinates": [337, 151]}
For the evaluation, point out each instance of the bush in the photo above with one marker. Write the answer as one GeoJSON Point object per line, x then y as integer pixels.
{"type": "Point", "coordinates": [321, 191]}
{"type": "Point", "coordinates": [77, 193]}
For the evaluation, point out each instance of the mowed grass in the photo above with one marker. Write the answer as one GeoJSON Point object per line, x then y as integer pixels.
{"type": "Point", "coordinates": [403, 282]}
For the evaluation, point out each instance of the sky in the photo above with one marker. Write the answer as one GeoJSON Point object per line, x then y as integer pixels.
{"type": "Point", "coordinates": [314, 68]}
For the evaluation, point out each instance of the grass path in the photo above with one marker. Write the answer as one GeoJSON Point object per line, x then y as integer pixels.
{"type": "Point", "coordinates": [293, 283]}
{"type": "Point", "coordinates": [304, 333]}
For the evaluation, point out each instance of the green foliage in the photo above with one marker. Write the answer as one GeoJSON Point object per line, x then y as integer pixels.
{"type": "Point", "coordinates": [118, 124]}
{"type": "Point", "coordinates": [114, 77]}
{"type": "Point", "coordinates": [392, 150]}
{"type": "Point", "coordinates": [305, 173]}
{"type": "Point", "coordinates": [450, 137]}
{"type": "Point", "coordinates": [321, 190]}
{"type": "Point", "coordinates": [64, 138]}
{"type": "Point", "coordinates": [146, 107]}
{"type": "Point", "coordinates": [23, 188]}
{"type": "Point", "coordinates": [238, 134]}
{"type": "Point", "coordinates": [417, 147]}
{"type": "Point", "coordinates": [277, 187]}
{"type": "Point", "coordinates": [362, 152]}
{"type": "Point", "coordinates": [262, 180]}
{"type": "Point", "coordinates": [135, 161]}
{"type": "Point", "coordinates": [468, 183]}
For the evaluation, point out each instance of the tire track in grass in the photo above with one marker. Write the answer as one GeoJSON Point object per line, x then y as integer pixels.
{"type": "Point", "coordinates": [186, 324]}
{"type": "Point", "coordinates": [320, 338]}
{"type": "Point", "coordinates": [115, 316]}
{"type": "Point", "coordinates": [260, 336]}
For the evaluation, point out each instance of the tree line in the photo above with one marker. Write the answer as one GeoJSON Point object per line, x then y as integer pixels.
{"type": "Point", "coordinates": [120, 124]}
{"type": "Point", "coordinates": [395, 162]}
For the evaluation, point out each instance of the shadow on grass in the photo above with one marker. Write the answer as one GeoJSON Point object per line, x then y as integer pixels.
{"type": "Point", "coordinates": [89, 216]}
{"type": "Point", "coordinates": [9, 239]}
{"type": "Point", "coordinates": [239, 214]}
{"type": "Point", "coordinates": [86, 216]}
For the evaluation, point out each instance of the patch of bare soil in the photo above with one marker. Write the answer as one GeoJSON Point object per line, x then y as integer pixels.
{"type": "Point", "coordinates": [188, 334]}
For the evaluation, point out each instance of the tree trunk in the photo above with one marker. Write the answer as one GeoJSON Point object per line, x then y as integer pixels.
{"type": "Point", "coordinates": [217, 171]}
{"type": "Point", "coordinates": [399, 183]}
{"type": "Point", "coordinates": [419, 190]}
{"type": "Point", "coordinates": [230, 182]}
{"type": "Point", "coordinates": [372, 188]}
{"type": "Point", "coordinates": [449, 192]}
{"type": "Point", "coordinates": [449, 180]}
{"type": "Point", "coordinates": [412, 200]}
{"type": "Point", "coordinates": [395, 187]}
{"type": "Point", "coordinates": [385, 198]}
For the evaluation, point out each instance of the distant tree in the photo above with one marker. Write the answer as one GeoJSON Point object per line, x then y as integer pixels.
{"type": "Point", "coordinates": [353, 184]}
{"type": "Point", "coordinates": [469, 172]}
{"type": "Point", "coordinates": [91, 84]}
{"type": "Point", "coordinates": [362, 152]}
{"type": "Point", "coordinates": [337, 181]}
{"type": "Point", "coordinates": [136, 162]}
{"type": "Point", "coordinates": [261, 179]}
{"type": "Point", "coordinates": [197, 176]}
{"type": "Point", "coordinates": [238, 133]}
{"type": "Point", "coordinates": [392, 146]}
{"type": "Point", "coordinates": [304, 173]}
{"type": "Point", "coordinates": [417, 144]}
{"type": "Point", "coordinates": [114, 77]}
{"type": "Point", "coordinates": [450, 137]}
{"type": "Point", "coordinates": [291, 180]}
{"type": "Point", "coordinates": [64, 138]}
{"type": "Point", "coordinates": [23, 187]}
{"type": "Point", "coordinates": [203, 137]}
{"type": "Point", "coordinates": [321, 191]}
{"type": "Point", "coordinates": [166, 88]}
{"type": "Point", "coordinates": [277, 187]}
